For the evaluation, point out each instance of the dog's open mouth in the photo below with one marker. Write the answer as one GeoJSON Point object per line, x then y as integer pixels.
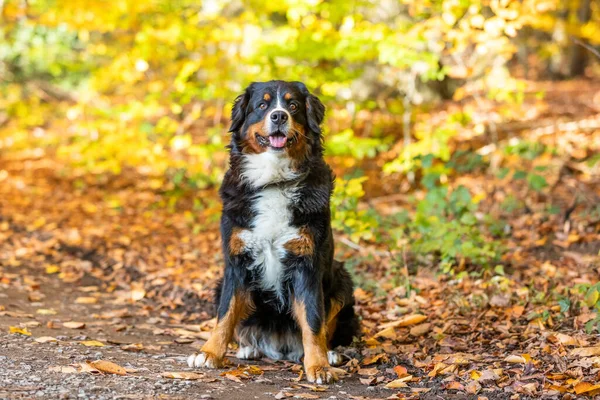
{"type": "Point", "coordinates": [275, 141]}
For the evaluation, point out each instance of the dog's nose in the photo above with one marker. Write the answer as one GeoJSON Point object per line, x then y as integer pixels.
{"type": "Point", "coordinates": [279, 117]}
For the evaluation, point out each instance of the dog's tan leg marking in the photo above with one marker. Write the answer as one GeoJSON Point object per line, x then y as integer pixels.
{"type": "Point", "coordinates": [236, 243]}
{"type": "Point", "coordinates": [303, 245]}
{"type": "Point", "coordinates": [316, 365]}
{"type": "Point", "coordinates": [212, 353]}
{"type": "Point", "coordinates": [335, 309]}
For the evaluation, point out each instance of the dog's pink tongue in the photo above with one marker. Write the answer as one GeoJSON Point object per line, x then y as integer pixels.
{"type": "Point", "coordinates": [277, 141]}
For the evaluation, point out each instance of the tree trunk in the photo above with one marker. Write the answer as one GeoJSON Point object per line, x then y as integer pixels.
{"type": "Point", "coordinates": [579, 56]}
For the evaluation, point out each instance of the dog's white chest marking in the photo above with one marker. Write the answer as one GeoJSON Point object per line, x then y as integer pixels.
{"type": "Point", "coordinates": [271, 228]}
{"type": "Point", "coordinates": [268, 167]}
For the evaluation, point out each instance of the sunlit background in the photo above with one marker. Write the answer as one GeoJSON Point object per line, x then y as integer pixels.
{"type": "Point", "coordinates": [426, 102]}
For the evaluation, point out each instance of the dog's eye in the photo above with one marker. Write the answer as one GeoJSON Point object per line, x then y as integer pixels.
{"type": "Point", "coordinates": [262, 106]}
{"type": "Point", "coordinates": [293, 106]}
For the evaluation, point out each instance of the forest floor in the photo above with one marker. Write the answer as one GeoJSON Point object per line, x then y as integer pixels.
{"type": "Point", "coordinates": [105, 288]}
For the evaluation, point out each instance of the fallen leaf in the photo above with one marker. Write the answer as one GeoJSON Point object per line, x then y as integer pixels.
{"type": "Point", "coordinates": [132, 347]}
{"type": "Point", "coordinates": [92, 343]}
{"type": "Point", "coordinates": [368, 381]}
{"type": "Point", "coordinates": [489, 375]}
{"type": "Point", "coordinates": [190, 376]}
{"type": "Point", "coordinates": [52, 269]}
{"type": "Point", "coordinates": [233, 378]}
{"type": "Point", "coordinates": [85, 367]}
{"type": "Point", "coordinates": [473, 387]}
{"type": "Point", "coordinates": [374, 359]}
{"type": "Point", "coordinates": [283, 395]}
{"type": "Point", "coordinates": [368, 371]}
{"type": "Point", "coordinates": [388, 333]}
{"type": "Point", "coordinates": [584, 387]}
{"type": "Point", "coordinates": [314, 388]}
{"type": "Point", "coordinates": [399, 383]}
{"type": "Point", "coordinates": [86, 300]}
{"type": "Point", "coordinates": [586, 352]}
{"type": "Point", "coordinates": [400, 371]}
{"type": "Point", "coordinates": [475, 375]}
{"type": "Point", "coordinates": [306, 396]}
{"type": "Point", "coordinates": [22, 331]}
{"type": "Point", "coordinates": [74, 325]}
{"type": "Point", "coordinates": [108, 367]}
{"type": "Point", "coordinates": [420, 330]}
{"type": "Point", "coordinates": [514, 359]}
{"type": "Point", "coordinates": [454, 385]}
{"type": "Point", "coordinates": [407, 320]}
{"type": "Point", "coordinates": [45, 311]}
{"type": "Point", "coordinates": [138, 294]}
{"type": "Point", "coordinates": [45, 339]}
{"type": "Point", "coordinates": [299, 377]}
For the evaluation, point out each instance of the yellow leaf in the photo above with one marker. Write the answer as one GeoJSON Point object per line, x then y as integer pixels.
{"type": "Point", "coordinates": [399, 383]}
{"type": "Point", "coordinates": [22, 331]}
{"type": "Point", "coordinates": [388, 333]}
{"type": "Point", "coordinates": [475, 375]}
{"type": "Point", "coordinates": [45, 311]}
{"type": "Point", "coordinates": [374, 359]}
{"type": "Point", "coordinates": [584, 387]}
{"type": "Point", "coordinates": [86, 300]}
{"type": "Point", "coordinates": [92, 343]}
{"type": "Point", "coordinates": [182, 375]}
{"type": "Point", "coordinates": [52, 269]}
{"type": "Point", "coordinates": [592, 298]}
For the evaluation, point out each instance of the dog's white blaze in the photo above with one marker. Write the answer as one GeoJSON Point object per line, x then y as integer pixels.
{"type": "Point", "coordinates": [271, 230]}
{"type": "Point", "coordinates": [268, 167]}
{"type": "Point", "coordinates": [278, 107]}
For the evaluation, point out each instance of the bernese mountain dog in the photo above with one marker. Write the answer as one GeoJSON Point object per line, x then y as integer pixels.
{"type": "Point", "coordinates": [282, 294]}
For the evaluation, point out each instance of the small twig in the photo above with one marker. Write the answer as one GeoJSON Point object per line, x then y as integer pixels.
{"type": "Point", "coordinates": [358, 247]}
{"type": "Point", "coordinates": [586, 46]}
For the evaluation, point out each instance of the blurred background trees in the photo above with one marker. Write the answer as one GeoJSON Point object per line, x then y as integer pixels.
{"type": "Point", "coordinates": [146, 87]}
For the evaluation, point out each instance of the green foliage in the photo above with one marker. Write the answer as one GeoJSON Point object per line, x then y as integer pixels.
{"type": "Point", "coordinates": [346, 143]}
{"type": "Point", "coordinates": [345, 213]}
{"type": "Point", "coordinates": [446, 224]}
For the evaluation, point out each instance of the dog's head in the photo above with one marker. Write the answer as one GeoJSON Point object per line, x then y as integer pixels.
{"type": "Point", "coordinates": [278, 117]}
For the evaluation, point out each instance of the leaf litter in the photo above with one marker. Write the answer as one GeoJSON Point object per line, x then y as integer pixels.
{"type": "Point", "coordinates": [517, 329]}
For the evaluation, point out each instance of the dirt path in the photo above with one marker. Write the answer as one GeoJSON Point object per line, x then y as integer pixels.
{"type": "Point", "coordinates": [30, 369]}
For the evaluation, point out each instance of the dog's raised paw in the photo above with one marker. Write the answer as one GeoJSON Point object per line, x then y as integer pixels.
{"type": "Point", "coordinates": [204, 360]}
{"type": "Point", "coordinates": [321, 375]}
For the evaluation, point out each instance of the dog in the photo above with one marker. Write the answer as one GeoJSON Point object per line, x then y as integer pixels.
{"type": "Point", "coordinates": [282, 294]}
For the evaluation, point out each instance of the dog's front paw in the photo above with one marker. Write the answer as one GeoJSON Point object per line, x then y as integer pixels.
{"type": "Point", "coordinates": [204, 360]}
{"type": "Point", "coordinates": [320, 374]}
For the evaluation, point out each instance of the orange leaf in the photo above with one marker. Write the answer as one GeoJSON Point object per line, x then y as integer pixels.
{"type": "Point", "coordinates": [107, 367]}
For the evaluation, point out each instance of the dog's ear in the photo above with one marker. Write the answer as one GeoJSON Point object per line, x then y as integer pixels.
{"type": "Point", "coordinates": [315, 111]}
{"type": "Point", "coordinates": [239, 109]}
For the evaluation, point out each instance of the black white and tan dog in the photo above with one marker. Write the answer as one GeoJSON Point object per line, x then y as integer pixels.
{"type": "Point", "coordinates": [282, 294]}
